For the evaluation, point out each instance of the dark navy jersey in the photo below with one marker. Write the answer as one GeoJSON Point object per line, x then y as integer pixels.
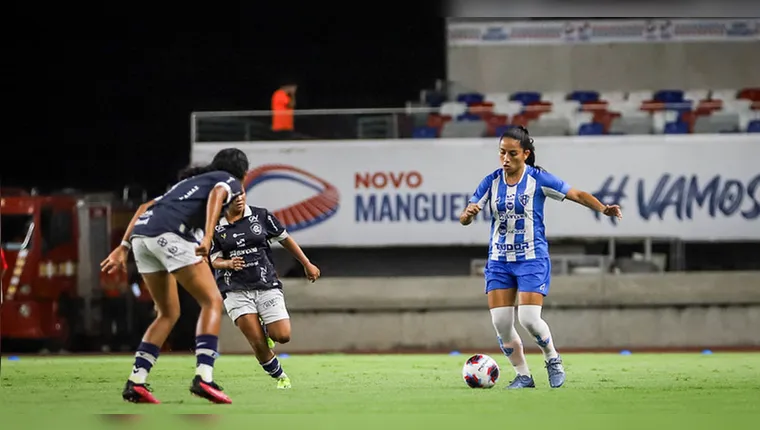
{"type": "Point", "coordinates": [248, 238]}
{"type": "Point", "coordinates": [182, 209]}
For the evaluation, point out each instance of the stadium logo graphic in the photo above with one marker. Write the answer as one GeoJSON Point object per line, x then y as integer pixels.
{"type": "Point", "coordinates": [303, 214]}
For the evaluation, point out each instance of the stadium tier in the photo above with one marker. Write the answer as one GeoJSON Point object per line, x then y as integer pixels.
{"type": "Point", "coordinates": [665, 111]}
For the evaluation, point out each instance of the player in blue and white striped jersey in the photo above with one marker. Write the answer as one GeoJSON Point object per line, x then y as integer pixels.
{"type": "Point", "coordinates": [518, 264]}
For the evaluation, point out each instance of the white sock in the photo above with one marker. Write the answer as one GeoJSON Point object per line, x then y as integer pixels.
{"type": "Point", "coordinates": [206, 372]}
{"type": "Point", "coordinates": [530, 318]}
{"type": "Point", "coordinates": [138, 375]}
{"type": "Point", "coordinates": [503, 320]}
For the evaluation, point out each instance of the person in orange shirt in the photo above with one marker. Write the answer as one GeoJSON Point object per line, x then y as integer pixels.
{"type": "Point", "coordinates": [283, 103]}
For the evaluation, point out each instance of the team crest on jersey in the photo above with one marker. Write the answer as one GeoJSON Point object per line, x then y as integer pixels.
{"type": "Point", "coordinates": [524, 199]}
{"type": "Point", "coordinates": [503, 229]}
{"type": "Point", "coordinates": [502, 216]}
{"type": "Point", "coordinates": [510, 205]}
{"type": "Point", "coordinates": [219, 228]}
{"type": "Point", "coordinates": [256, 228]}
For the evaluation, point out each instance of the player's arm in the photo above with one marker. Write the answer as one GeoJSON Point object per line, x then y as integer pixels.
{"type": "Point", "coordinates": [276, 233]}
{"type": "Point", "coordinates": [557, 189]}
{"type": "Point", "coordinates": [131, 226]}
{"type": "Point", "coordinates": [477, 201]}
{"type": "Point", "coordinates": [216, 257]}
{"type": "Point", "coordinates": [587, 199]}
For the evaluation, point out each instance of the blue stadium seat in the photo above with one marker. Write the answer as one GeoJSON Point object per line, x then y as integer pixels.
{"type": "Point", "coordinates": [677, 127]}
{"type": "Point", "coordinates": [753, 126]}
{"type": "Point", "coordinates": [424, 132]}
{"type": "Point", "coordinates": [526, 97]}
{"type": "Point", "coordinates": [591, 129]}
{"type": "Point", "coordinates": [584, 96]}
{"type": "Point", "coordinates": [470, 98]}
{"type": "Point", "coordinates": [668, 96]}
{"type": "Point", "coordinates": [468, 116]}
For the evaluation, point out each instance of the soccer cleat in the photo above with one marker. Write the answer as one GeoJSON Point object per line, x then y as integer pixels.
{"type": "Point", "coordinates": [138, 393]}
{"type": "Point", "coordinates": [283, 383]}
{"type": "Point", "coordinates": [209, 391]}
{"type": "Point", "coordinates": [522, 381]}
{"type": "Point", "coordinates": [556, 372]}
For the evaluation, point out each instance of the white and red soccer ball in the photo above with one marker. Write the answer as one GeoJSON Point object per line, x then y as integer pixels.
{"type": "Point", "coordinates": [480, 371]}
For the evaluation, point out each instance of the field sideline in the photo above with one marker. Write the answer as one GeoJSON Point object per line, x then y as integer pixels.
{"type": "Point", "coordinates": [640, 386]}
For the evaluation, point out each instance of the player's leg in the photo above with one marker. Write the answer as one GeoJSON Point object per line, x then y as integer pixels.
{"type": "Point", "coordinates": [163, 290]}
{"type": "Point", "coordinates": [274, 315]}
{"type": "Point", "coordinates": [241, 307]}
{"type": "Point", "coordinates": [501, 290]}
{"type": "Point", "coordinates": [195, 276]}
{"type": "Point", "coordinates": [534, 279]}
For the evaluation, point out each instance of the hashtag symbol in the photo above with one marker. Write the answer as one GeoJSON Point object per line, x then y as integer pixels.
{"type": "Point", "coordinates": [609, 195]}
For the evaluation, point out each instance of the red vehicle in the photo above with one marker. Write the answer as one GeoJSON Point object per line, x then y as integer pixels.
{"type": "Point", "coordinates": [53, 245]}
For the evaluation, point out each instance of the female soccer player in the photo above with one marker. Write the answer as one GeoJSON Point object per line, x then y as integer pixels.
{"type": "Point", "coordinates": [518, 256]}
{"type": "Point", "coordinates": [170, 236]}
{"type": "Point", "coordinates": [247, 279]}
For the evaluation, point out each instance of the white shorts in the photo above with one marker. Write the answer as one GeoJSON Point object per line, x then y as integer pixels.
{"type": "Point", "coordinates": [167, 252]}
{"type": "Point", "coordinates": [269, 304]}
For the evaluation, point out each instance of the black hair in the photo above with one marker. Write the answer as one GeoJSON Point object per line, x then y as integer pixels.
{"type": "Point", "coordinates": [520, 134]}
{"type": "Point", "coordinates": [230, 160]}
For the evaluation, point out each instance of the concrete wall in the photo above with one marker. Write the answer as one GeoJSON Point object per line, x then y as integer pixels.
{"type": "Point", "coordinates": [619, 66]}
{"type": "Point", "coordinates": [584, 312]}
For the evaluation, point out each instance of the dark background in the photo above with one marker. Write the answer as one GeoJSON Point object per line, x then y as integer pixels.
{"type": "Point", "coordinates": [103, 96]}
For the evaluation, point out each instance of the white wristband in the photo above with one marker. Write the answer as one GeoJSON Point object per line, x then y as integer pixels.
{"type": "Point", "coordinates": [126, 244]}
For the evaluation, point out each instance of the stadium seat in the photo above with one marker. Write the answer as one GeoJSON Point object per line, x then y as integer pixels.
{"type": "Point", "coordinates": [696, 95]}
{"type": "Point", "coordinates": [526, 97]}
{"type": "Point", "coordinates": [661, 119]}
{"type": "Point", "coordinates": [580, 118]}
{"type": "Point", "coordinates": [535, 109]}
{"type": "Point", "coordinates": [566, 107]}
{"type": "Point", "coordinates": [752, 94]}
{"type": "Point", "coordinates": [668, 96]}
{"type": "Point", "coordinates": [746, 118]}
{"type": "Point", "coordinates": [481, 109]}
{"type": "Point", "coordinates": [496, 97]}
{"type": "Point", "coordinates": [453, 109]}
{"type": "Point", "coordinates": [507, 108]}
{"type": "Point", "coordinates": [470, 98]}
{"type": "Point", "coordinates": [632, 123]}
{"type": "Point", "coordinates": [754, 126]}
{"type": "Point", "coordinates": [638, 97]}
{"type": "Point", "coordinates": [425, 132]}
{"type": "Point", "coordinates": [493, 122]}
{"type": "Point", "coordinates": [612, 96]}
{"type": "Point", "coordinates": [462, 129]}
{"type": "Point", "coordinates": [554, 97]}
{"type": "Point", "coordinates": [716, 122]}
{"type": "Point", "coordinates": [591, 129]}
{"type": "Point", "coordinates": [550, 124]}
{"type": "Point", "coordinates": [724, 94]}
{"type": "Point", "coordinates": [583, 96]}
{"type": "Point", "coordinates": [469, 116]}
{"type": "Point", "coordinates": [677, 127]}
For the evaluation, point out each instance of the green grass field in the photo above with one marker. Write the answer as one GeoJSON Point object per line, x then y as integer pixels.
{"type": "Point", "coordinates": [406, 388]}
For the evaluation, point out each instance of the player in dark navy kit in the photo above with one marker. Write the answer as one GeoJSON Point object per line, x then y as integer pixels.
{"type": "Point", "coordinates": [246, 276]}
{"type": "Point", "coordinates": [169, 236]}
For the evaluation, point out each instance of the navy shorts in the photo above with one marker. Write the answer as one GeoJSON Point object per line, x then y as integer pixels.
{"type": "Point", "coordinates": [531, 276]}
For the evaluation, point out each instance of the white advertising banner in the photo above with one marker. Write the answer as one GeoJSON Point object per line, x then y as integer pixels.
{"type": "Point", "coordinates": [474, 33]}
{"type": "Point", "coordinates": [411, 192]}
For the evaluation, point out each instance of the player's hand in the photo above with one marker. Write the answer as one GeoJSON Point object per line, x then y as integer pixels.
{"type": "Point", "coordinates": [472, 210]}
{"type": "Point", "coordinates": [204, 248]}
{"type": "Point", "coordinates": [236, 263]}
{"type": "Point", "coordinates": [613, 210]}
{"type": "Point", "coordinates": [312, 272]}
{"type": "Point", "coordinates": [116, 260]}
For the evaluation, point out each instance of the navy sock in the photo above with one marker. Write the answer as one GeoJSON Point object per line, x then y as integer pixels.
{"type": "Point", "coordinates": [205, 354]}
{"type": "Point", "coordinates": [273, 368]}
{"type": "Point", "coordinates": [145, 357]}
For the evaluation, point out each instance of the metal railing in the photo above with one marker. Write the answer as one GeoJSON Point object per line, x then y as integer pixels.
{"type": "Point", "coordinates": [367, 124]}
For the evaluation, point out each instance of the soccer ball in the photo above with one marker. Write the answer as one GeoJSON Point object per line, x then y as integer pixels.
{"type": "Point", "coordinates": [480, 371]}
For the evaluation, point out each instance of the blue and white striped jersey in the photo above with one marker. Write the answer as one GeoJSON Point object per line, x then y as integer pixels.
{"type": "Point", "coordinates": [517, 224]}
